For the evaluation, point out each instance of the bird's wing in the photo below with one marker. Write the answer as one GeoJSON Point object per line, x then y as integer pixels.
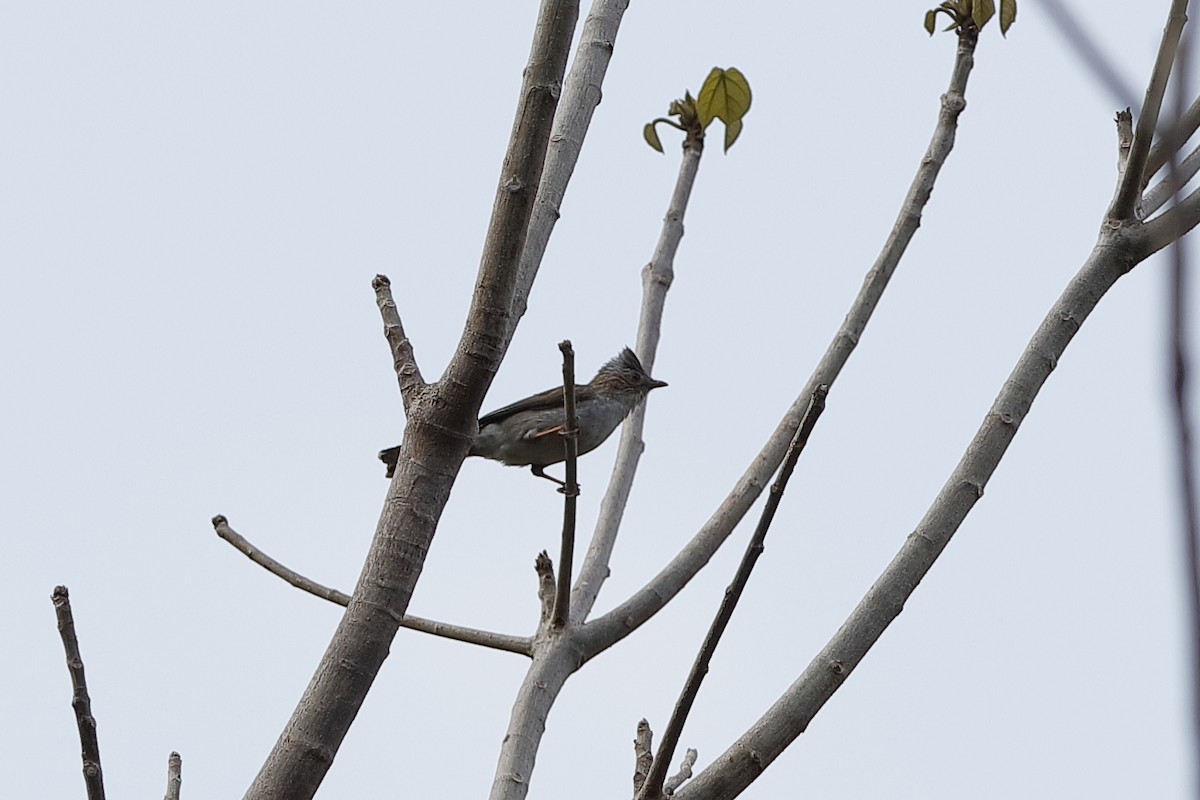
{"type": "Point", "coordinates": [542, 401]}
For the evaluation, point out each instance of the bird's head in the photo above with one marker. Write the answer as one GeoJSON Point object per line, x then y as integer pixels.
{"type": "Point", "coordinates": [625, 375]}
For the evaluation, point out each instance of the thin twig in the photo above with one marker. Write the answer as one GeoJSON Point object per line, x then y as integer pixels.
{"type": "Point", "coordinates": [685, 772]}
{"type": "Point", "coordinates": [653, 788]}
{"type": "Point", "coordinates": [1171, 140]}
{"type": "Point", "coordinates": [408, 374]}
{"type": "Point", "coordinates": [610, 628]}
{"type": "Point", "coordinates": [497, 641]}
{"type": "Point", "coordinates": [570, 489]}
{"type": "Point", "coordinates": [245, 547]}
{"type": "Point", "coordinates": [1166, 189]}
{"type": "Point", "coordinates": [657, 277]}
{"type": "Point", "coordinates": [1166, 228]}
{"type": "Point", "coordinates": [1177, 346]}
{"type": "Point", "coordinates": [1129, 189]}
{"type": "Point", "coordinates": [174, 776]}
{"type": "Point", "coordinates": [93, 776]}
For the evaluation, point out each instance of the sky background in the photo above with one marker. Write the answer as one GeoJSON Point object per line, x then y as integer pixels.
{"type": "Point", "coordinates": [193, 201]}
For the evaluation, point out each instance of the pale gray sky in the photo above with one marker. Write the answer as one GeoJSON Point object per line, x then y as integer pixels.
{"type": "Point", "coordinates": [193, 200]}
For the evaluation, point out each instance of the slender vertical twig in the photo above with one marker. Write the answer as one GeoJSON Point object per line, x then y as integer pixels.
{"type": "Point", "coordinates": [570, 489]}
{"type": "Point", "coordinates": [653, 786]}
{"type": "Point", "coordinates": [657, 277]}
{"type": "Point", "coordinates": [93, 776]}
{"type": "Point", "coordinates": [1177, 348]}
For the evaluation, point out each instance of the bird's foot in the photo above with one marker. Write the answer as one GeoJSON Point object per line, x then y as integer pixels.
{"type": "Point", "coordinates": [540, 471]}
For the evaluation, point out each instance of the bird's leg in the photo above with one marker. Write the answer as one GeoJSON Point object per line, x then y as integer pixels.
{"type": "Point", "coordinates": [540, 471]}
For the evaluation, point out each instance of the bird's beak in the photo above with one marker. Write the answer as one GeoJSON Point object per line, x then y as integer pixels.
{"type": "Point", "coordinates": [656, 384]}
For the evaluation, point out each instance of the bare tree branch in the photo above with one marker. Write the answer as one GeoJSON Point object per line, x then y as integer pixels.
{"type": "Point", "coordinates": [657, 277]}
{"type": "Point", "coordinates": [436, 440]}
{"type": "Point", "coordinates": [1185, 449]}
{"type": "Point", "coordinates": [581, 95]}
{"type": "Point", "coordinates": [548, 672]}
{"type": "Point", "coordinates": [403, 360]}
{"type": "Point", "coordinates": [643, 754]}
{"type": "Point", "coordinates": [1119, 249]}
{"type": "Point", "coordinates": [1173, 138]}
{"type": "Point", "coordinates": [685, 772]}
{"type": "Point", "coordinates": [497, 641]}
{"type": "Point", "coordinates": [1169, 226]}
{"type": "Point", "coordinates": [1133, 178]}
{"type": "Point", "coordinates": [174, 776]}
{"type": "Point", "coordinates": [81, 702]}
{"type": "Point", "coordinates": [1164, 190]}
{"type": "Point", "coordinates": [1124, 138]}
{"type": "Point", "coordinates": [570, 490]}
{"type": "Point", "coordinates": [653, 787]}
{"type": "Point", "coordinates": [244, 546]}
{"type": "Point", "coordinates": [605, 631]}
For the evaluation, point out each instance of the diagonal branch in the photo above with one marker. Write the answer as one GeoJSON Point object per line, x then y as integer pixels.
{"type": "Point", "coordinates": [1119, 249]}
{"type": "Point", "coordinates": [1164, 190]}
{"type": "Point", "coordinates": [497, 641]}
{"type": "Point", "coordinates": [1169, 226]}
{"type": "Point", "coordinates": [653, 786]}
{"type": "Point", "coordinates": [605, 631]}
{"type": "Point", "coordinates": [1129, 188]}
{"type": "Point", "coordinates": [1172, 139]}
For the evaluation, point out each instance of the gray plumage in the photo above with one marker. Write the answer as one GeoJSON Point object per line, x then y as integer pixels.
{"type": "Point", "coordinates": [526, 433]}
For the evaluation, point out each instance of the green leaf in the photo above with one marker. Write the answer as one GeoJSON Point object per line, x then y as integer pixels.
{"type": "Point", "coordinates": [732, 131]}
{"type": "Point", "coordinates": [1008, 15]}
{"type": "Point", "coordinates": [983, 11]}
{"type": "Point", "coordinates": [725, 95]}
{"type": "Point", "coordinates": [650, 134]}
{"type": "Point", "coordinates": [930, 20]}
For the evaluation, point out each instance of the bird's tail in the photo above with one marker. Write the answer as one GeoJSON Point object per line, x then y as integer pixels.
{"type": "Point", "coordinates": [390, 456]}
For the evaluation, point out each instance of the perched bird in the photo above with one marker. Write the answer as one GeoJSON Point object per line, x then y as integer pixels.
{"type": "Point", "coordinates": [526, 433]}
